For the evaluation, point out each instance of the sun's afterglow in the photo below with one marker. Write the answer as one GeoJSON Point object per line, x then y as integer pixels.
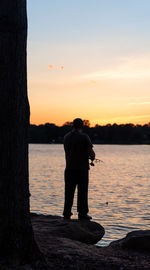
{"type": "Point", "coordinates": [97, 69]}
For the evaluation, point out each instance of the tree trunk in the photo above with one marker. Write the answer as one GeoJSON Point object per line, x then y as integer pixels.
{"type": "Point", "coordinates": [16, 236]}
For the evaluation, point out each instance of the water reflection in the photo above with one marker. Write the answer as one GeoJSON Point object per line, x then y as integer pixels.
{"type": "Point", "coordinates": [119, 191]}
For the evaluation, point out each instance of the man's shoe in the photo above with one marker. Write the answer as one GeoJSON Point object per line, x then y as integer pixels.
{"type": "Point", "coordinates": [68, 216]}
{"type": "Point", "coordinates": [84, 217]}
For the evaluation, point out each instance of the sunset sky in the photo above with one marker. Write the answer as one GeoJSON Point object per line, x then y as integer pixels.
{"type": "Point", "coordinates": [89, 59]}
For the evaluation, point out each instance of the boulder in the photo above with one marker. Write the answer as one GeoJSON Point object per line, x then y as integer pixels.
{"type": "Point", "coordinates": [57, 240]}
{"type": "Point", "coordinates": [88, 232]}
{"type": "Point", "coordinates": [137, 240]}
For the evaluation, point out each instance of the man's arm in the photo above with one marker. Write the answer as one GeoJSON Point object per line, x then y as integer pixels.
{"type": "Point", "coordinates": [91, 153]}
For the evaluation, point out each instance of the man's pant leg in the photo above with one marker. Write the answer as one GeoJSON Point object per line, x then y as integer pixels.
{"type": "Point", "coordinates": [83, 180]}
{"type": "Point", "coordinates": [70, 185]}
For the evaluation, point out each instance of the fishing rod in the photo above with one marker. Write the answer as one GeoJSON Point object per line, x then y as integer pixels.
{"type": "Point", "coordinates": [97, 160]}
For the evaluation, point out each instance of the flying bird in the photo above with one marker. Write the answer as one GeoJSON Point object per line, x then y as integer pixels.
{"type": "Point", "coordinates": [51, 67]}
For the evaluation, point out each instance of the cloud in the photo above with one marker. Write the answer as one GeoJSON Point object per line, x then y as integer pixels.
{"type": "Point", "coordinates": [129, 68]}
{"type": "Point", "coordinates": [139, 103]}
{"type": "Point", "coordinates": [121, 73]}
{"type": "Point", "coordinates": [92, 82]}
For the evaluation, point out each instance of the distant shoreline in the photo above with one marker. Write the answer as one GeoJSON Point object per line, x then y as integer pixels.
{"type": "Point", "coordinates": [94, 143]}
{"type": "Point", "coordinates": [126, 134]}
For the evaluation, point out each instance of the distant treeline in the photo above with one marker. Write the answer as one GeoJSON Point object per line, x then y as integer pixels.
{"type": "Point", "coordinates": [108, 134]}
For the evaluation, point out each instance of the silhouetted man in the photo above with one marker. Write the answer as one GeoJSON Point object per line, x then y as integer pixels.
{"type": "Point", "coordinates": [78, 150]}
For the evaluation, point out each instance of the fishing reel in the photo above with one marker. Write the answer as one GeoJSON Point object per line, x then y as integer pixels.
{"type": "Point", "coordinates": [92, 163]}
{"type": "Point", "coordinates": [96, 161]}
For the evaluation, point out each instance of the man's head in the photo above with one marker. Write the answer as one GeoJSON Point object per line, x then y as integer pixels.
{"type": "Point", "coordinates": [77, 123]}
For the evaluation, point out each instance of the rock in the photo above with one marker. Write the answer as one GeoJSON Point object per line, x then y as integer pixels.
{"type": "Point", "coordinates": [88, 232]}
{"type": "Point", "coordinates": [137, 240]}
{"type": "Point", "coordinates": [63, 253]}
{"type": "Point", "coordinates": [54, 237]}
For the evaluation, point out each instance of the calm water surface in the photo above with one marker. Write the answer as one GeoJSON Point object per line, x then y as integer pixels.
{"type": "Point", "coordinates": [119, 189]}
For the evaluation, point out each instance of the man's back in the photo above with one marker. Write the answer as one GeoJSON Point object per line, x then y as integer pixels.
{"type": "Point", "coordinates": [76, 146]}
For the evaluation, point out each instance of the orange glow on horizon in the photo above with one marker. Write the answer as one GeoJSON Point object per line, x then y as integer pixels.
{"type": "Point", "coordinates": [118, 94]}
{"type": "Point", "coordinates": [60, 121]}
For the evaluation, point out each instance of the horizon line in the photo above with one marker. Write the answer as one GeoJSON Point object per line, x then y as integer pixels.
{"type": "Point", "coordinates": [111, 124]}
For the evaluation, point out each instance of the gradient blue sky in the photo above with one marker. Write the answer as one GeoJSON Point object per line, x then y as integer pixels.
{"type": "Point", "coordinates": [104, 49]}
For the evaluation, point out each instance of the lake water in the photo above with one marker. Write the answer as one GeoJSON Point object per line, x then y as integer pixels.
{"type": "Point", "coordinates": [119, 188]}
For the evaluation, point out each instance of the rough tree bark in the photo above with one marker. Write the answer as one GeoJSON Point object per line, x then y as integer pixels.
{"type": "Point", "coordinates": [16, 236]}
